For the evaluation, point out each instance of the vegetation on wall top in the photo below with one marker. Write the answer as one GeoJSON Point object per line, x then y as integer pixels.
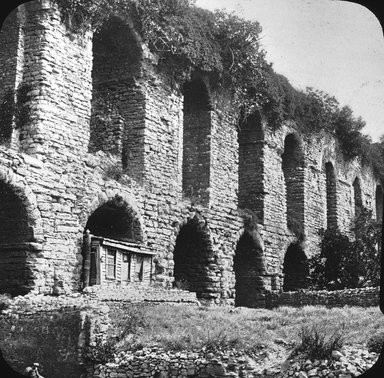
{"type": "Point", "coordinates": [225, 49]}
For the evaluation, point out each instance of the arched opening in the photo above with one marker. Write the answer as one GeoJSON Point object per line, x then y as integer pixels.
{"type": "Point", "coordinates": [295, 268]}
{"type": "Point", "coordinates": [251, 164]}
{"type": "Point", "coordinates": [357, 196]}
{"type": "Point", "coordinates": [15, 234]}
{"type": "Point", "coordinates": [379, 203]}
{"type": "Point", "coordinates": [115, 220]}
{"type": "Point", "coordinates": [248, 267]}
{"type": "Point", "coordinates": [117, 102]}
{"type": "Point", "coordinates": [10, 51]}
{"type": "Point", "coordinates": [331, 196]}
{"type": "Point", "coordinates": [112, 246]}
{"type": "Point", "coordinates": [191, 258]}
{"type": "Point", "coordinates": [196, 140]}
{"type": "Point", "coordinates": [293, 169]}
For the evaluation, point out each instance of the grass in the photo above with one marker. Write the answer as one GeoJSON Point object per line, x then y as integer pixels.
{"type": "Point", "coordinates": [216, 328]}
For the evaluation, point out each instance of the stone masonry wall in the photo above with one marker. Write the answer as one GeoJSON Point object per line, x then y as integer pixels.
{"type": "Point", "coordinates": [9, 41]}
{"type": "Point", "coordinates": [61, 176]}
{"type": "Point", "coordinates": [365, 297]}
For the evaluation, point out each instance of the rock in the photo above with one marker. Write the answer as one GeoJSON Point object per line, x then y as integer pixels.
{"type": "Point", "coordinates": [336, 354]}
{"type": "Point", "coordinates": [302, 374]}
{"type": "Point", "coordinates": [312, 372]}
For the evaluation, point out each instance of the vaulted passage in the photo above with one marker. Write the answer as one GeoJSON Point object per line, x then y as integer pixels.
{"type": "Point", "coordinates": [251, 165]}
{"type": "Point", "coordinates": [196, 140]}
{"type": "Point", "coordinates": [117, 102]}
{"type": "Point", "coordinates": [15, 235]}
{"type": "Point", "coordinates": [115, 220]}
{"type": "Point", "coordinates": [357, 196]}
{"type": "Point", "coordinates": [379, 203]}
{"type": "Point", "coordinates": [192, 257]}
{"type": "Point", "coordinates": [248, 266]}
{"type": "Point", "coordinates": [295, 269]}
{"type": "Point", "coordinates": [293, 169]}
{"type": "Point", "coordinates": [331, 196]}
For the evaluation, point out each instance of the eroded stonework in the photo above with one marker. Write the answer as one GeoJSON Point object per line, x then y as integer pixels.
{"type": "Point", "coordinates": [217, 204]}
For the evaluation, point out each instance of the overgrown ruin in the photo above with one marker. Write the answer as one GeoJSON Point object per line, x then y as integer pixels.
{"type": "Point", "coordinates": [192, 198]}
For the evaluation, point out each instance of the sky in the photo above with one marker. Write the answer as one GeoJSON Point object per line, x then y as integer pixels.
{"type": "Point", "coordinates": [335, 46]}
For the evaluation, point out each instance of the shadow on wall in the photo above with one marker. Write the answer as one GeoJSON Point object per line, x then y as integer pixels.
{"type": "Point", "coordinates": [15, 248]}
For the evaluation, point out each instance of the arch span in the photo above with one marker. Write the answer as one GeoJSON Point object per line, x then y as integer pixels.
{"type": "Point", "coordinates": [193, 256]}
{"type": "Point", "coordinates": [196, 140]}
{"type": "Point", "coordinates": [293, 169]}
{"type": "Point", "coordinates": [295, 268]}
{"type": "Point", "coordinates": [16, 240]}
{"type": "Point", "coordinates": [251, 164]}
{"type": "Point", "coordinates": [249, 268]}
{"type": "Point", "coordinates": [331, 194]}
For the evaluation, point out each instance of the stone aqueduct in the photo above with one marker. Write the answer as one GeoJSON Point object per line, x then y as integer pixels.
{"type": "Point", "coordinates": [109, 139]}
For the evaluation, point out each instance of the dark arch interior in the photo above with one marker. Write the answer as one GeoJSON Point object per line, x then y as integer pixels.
{"type": "Point", "coordinates": [357, 196]}
{"type": "Point", "coordinates": [115, 220]}
{"type": "Point", "coordinates": [117, 58]}
{"type": "Point", "coordinates": [251, 164]}
{"type": "Point", "coordinates": [248, 267]}
{"type": "Point", "coordinates": [293, 156]}
{"type": "Point", "coordinates": [196, 96]}
{"type": "Point", "coordinates": [295, 269]}
{"type": "Point", "coordinates": [191, 259]}
{"type": "Point", "coordinates": [15, 233]}
{"type": "Point", "coordinates": [292, 165]}
{"type": "Point", "coordinates": [379, 203]}
{"type": "Point", "coordinates": [116, 39]}
{"type": "Point", "coordinates": [196, 142]}
{"type": "Point", "coordinates": [331, 196]}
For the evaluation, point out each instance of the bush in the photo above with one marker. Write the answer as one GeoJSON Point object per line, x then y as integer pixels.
{"type": "Point", "coordinates": [102, 352]}
{"type": "Point", "coordinates": [316, 344]}
{"type": "Point", "coordinates": [342, 263]}
{"type": "Point", "coordinates": [4, 302]}
{"type": "Point", "coordinates": [130, 322]}
{"type": "Point", "coordinates": [375, 343]}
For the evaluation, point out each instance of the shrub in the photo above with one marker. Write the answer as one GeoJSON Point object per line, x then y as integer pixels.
{"type": "Point", "coordinates": [131, 321]}
{"type": "Point", "coordinates": [342, 263]}
{"type": "Point", "coordinates": [218, 341]}
{"type": "Point", "coordinates": [316, 344]}
{"type": "Point", "coordinates": [102, 352]}
{"type": "Point", "coordinates": [376, 342]}
{"type": "Point", "coordinates": [4, 302]}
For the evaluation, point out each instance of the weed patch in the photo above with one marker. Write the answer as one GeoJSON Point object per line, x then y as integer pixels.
{"type": "Point", "coordinates": [318, 343]}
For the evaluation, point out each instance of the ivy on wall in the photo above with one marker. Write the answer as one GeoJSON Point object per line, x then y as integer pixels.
{"type": "Point", "coordinates": [226, 50]}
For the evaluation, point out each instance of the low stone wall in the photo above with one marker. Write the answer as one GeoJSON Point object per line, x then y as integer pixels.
{"type": "Point", "coordinates": [157, 363]}
{"type": "Point", "coordinates": [364, 297]}
{"type": "Point", "coordinates": [140, 293]}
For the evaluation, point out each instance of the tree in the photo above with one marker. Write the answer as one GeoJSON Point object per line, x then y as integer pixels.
{"type": "Point", "coordinates": [343, 263]}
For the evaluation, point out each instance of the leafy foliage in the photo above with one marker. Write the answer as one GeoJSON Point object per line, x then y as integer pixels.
{"type": "Point", "coordinates": [376, 342]}
{"type": "Point", "coordinates": [4, 302]}
{"type": "Point", "coordinates": [101, 352]}
{"type": "Point", "coordinates": [342, 263]}
{"type": "Point", "coordinates": [226, 50]}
